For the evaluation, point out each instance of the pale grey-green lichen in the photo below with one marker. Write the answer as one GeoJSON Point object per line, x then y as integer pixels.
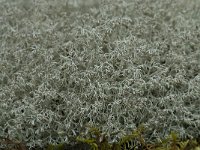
{"type": "Point", "coordinates": [112, 63]}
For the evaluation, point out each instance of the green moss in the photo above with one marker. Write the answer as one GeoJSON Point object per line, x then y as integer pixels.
{"type": "Point", "coordinates": [99, 141]}
{"type": "Point", "coordinates": [56, 147]}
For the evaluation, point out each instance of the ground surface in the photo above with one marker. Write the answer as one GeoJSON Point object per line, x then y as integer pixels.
{"type": "Point", "coordinates": [113, 64]}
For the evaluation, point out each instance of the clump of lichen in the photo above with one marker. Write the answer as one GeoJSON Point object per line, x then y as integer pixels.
{"type": "Point", "coordinates": [114, 64]}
